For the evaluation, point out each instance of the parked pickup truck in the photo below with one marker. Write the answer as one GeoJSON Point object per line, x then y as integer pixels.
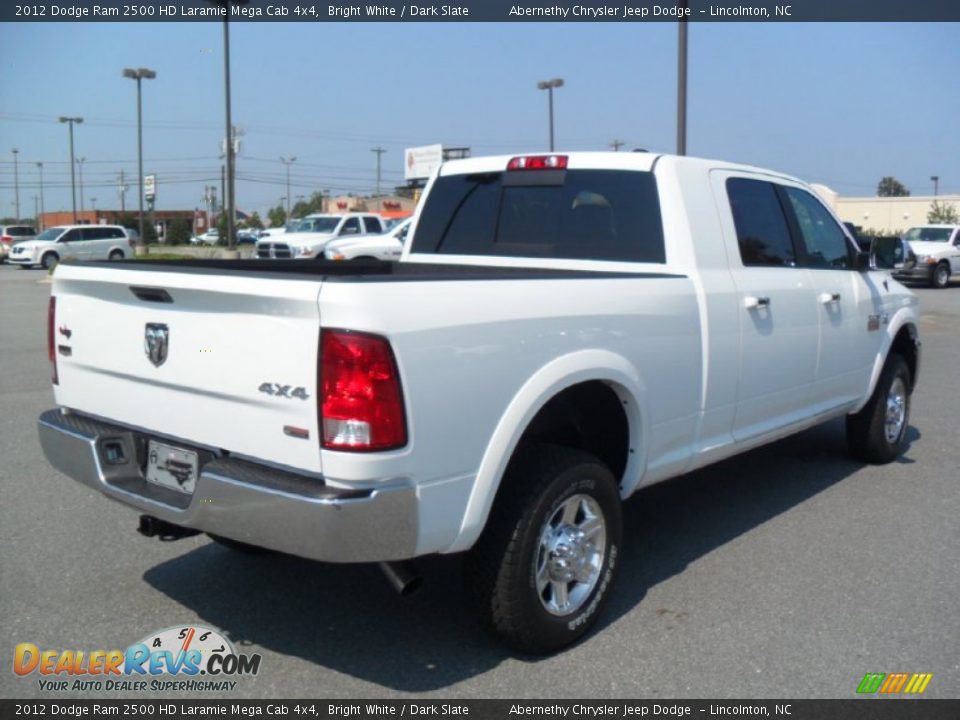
{"type": "Point", "coordinates": [937, 250]}
{"type": "Point", "coordinates": [314, 232]}
{"type": "Point", "coordinates": [561, 331]}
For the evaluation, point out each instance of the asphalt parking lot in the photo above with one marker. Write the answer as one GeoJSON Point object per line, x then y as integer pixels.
{"type": "Point", "coordinates": [787, 572]}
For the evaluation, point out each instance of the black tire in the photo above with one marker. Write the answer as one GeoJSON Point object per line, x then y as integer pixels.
{"type": "Point", "coordinates": [940, 277]}
{"type": "Point", "coordinates": [116, 255]}
{"type": "Point", "coordinates": [867, 431]}
{"type": "Point", "coordinates": [49, 260]}
{"type": "Point", "coordinates": [539, 483]}
{"type": "Point", "coordinates": [238, 546]}
{"type": "Point", "coordinates": [367, 258]}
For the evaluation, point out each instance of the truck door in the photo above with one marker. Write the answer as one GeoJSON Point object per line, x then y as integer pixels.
{"type": "Point", "coordinates": [778, 312]}
{"type": "Point", "coordinates": [844, 299]}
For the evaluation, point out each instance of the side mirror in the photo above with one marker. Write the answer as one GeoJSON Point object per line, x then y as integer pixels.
{"type": "Point", "coordinates": [863, 261]}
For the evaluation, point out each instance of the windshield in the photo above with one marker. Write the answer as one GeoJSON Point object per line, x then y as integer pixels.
{"type": "Point", "coordinates": [51, 234]}
{"type": "Point", "coordinates": [928, 234]}
{"type": "Point", "coordinates": [318, 224]}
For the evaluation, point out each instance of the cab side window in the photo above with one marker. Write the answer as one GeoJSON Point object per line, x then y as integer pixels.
{"type": "Point", "coordinates": [762, 231]}
{"type": "Point", "coordinates": [824, 242]}
{"type": "Point", "coordinates": [372, 224]}
{"type": "Point", "coordinates": [351, 227]}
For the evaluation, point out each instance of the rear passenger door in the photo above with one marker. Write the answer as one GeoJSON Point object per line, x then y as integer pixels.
{"type": "Point", "coordinates": [778, 312]}
{"type": "Point", "coordinates": [843, 297]}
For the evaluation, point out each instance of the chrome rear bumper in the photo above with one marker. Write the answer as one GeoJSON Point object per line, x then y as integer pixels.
{"type": "Point", "coordinates": [285, 511]}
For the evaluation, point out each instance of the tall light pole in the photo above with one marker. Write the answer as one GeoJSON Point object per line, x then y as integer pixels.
{"type": "Point", "coordinates": [80, 162]}
{"type": "Point", "coordinates": [379, 151]}
{"type": "Point", "coordinates": [936, 184]}
{"type": "Point", "coordinates": [288, 162]}
{"type": "Point", "coordinates": [73, 184]}
{"type": "Point", "coordinates": [682, 85]}
{"type": "Point", "coordinates": [549, 85]}
{"type": "Point", "coordinates": [16, 183]}
{"type": "Point", "coordinates": [40, 169]}
{"type": "Point", "coordinates": [138, 75]}
{"type": "Point", "coordinates": [229, 199]}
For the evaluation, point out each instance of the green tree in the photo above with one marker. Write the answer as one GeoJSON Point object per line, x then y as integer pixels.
{"type": "Point", "coordinates": [891, 187]}
{"type": "Point", "coordinates": [943, 213]}
{"type": "Point", "coordinates": [255, 222]}
{"type": "Point", "coordinates": [179, 232]}
{"type": "Point", "coordinates": [277, 216]}
{"type": "Point", "coordinates": [301, 209]}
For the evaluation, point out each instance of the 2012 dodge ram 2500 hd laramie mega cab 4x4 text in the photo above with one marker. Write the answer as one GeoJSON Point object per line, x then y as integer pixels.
{"type": "Point", "coordinates": [560, 331]}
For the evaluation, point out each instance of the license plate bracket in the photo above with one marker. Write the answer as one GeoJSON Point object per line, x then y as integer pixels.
{"type": "Point", "coordinates": [172, 467]}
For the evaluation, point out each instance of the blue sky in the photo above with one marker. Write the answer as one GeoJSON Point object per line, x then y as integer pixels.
{"type": "Point", "coordinates": [843, 104]}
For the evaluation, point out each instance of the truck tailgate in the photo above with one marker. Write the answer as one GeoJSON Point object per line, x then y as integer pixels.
{"type": "Point", "coordinates": [240, 368]}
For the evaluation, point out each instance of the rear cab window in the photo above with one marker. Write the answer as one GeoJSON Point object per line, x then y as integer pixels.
{"type": "Point", "coordinates": [576, 214]}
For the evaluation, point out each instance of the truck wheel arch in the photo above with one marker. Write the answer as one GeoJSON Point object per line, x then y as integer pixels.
{"type": "Point", "coordinates": [592, 368]}
{"type": "Point", "coordinates": [902, 338]}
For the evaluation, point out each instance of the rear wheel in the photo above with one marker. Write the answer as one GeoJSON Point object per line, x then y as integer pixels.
{"type": "Point", "coordinates": [116, 255]}
{"type": "Point", "coordinates": [941, 276]}
{"type": "Point", "coordinates": [49, 260]}
{"type": "Point", "coordinates": [546, 561]}
{"type": "Point", "coordinates": [877, 433]}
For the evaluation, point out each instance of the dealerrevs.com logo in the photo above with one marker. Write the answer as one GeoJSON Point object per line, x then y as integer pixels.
{"type": "Point", "coordinates": [187, 658]}
{"type": "Point", "coordinates": [894, 683]}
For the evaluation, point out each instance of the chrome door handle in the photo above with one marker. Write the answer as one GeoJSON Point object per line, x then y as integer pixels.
{"type": "Point", "coordinates": [752, 301]}
{"type": "Point", "coordinates": [827, 298]}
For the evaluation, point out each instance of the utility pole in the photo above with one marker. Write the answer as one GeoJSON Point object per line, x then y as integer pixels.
{"type": "Point", "coordinates": [16, 183]}
{"type": "Point", "coordinates": [379, 151]}
{"type": "Point", "coordinates": [40, 168]}
{"type": "Point", "coordinates": [936, 184]}
{"type": "Point", "coordinates": [36, 211]}
{"type": "Point", "coordinates": [616, 145]}
{"type": "Point", "coordinates": [223, 185]}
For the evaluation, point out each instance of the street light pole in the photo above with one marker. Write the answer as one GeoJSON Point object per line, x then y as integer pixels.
{"type": "Point", "coordinates": [138, 75]}
{"type": "Point", "coordinates": [16, 183]}
{"type": "Point", "coordinates": [936, 184]}
{"type": "Point", "coordinates": [288, 162]}
{"type": "Point", "coordinates": [80, 162]}
{"type": "Point", "coordinates": [40, 168]}
{"type": "Point", "coordinates": [549, 85]}
{"type": "Point", "coordinates": [379, 151]}
{"type": "Point", "coordinates": [682, 85]}
{"type": "Point", "coordinates": [73, 183]}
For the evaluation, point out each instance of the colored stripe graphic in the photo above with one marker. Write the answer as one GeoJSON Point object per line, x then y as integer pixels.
{"type": "Point", "coordinates": [918, 683]}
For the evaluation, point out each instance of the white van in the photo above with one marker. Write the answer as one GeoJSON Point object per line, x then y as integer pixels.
{"type": "Point", "coordinates": [74, 242]}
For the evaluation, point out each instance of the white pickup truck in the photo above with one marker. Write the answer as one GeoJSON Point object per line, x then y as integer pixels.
{"type": "Point", "coordinates": [561, 331]}
{"type": "Point", "coordinates": [937, 251]}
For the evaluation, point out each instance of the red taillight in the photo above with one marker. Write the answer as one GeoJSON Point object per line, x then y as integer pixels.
{"type": "Point", "coordinates": [6, 239]}
{"type": "Point", "coordinates": [538, 162]}
{"type": "Point", "coordinates": [51, 337]}
{"type": "Point", "coordinates": [361, 406]}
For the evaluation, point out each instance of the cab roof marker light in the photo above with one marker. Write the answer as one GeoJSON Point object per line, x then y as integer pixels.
{"type": "Point", "coordinates": [538, 162]}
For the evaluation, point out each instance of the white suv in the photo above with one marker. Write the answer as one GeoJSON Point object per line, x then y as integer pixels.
{"type": "Point", "coordinates": [10, 235]}
{"type": "Point", "coordinates": [74, 242]}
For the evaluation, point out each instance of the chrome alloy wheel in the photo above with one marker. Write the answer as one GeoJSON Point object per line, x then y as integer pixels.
{"type": "Point", "coordinates": [573, 544]}
{"type": "Point", "coordinates": [896, 411]}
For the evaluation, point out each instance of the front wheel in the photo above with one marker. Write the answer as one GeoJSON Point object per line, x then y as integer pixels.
{"type": "Point", "coordinates": [878, 432]}
{"type": "Point", "coordinates": [546, 561]}
{"type": "Point", "coordinates": [49, 261]}
{"type": "Point", "coordinates": [941, 276]}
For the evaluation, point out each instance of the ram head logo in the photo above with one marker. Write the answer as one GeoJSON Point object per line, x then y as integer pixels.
{"type": "Point", "coordinates": [156, 342]}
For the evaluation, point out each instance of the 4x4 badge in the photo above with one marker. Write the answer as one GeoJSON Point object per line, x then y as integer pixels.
{"type": "Point", "coordinates": [156, 341]}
